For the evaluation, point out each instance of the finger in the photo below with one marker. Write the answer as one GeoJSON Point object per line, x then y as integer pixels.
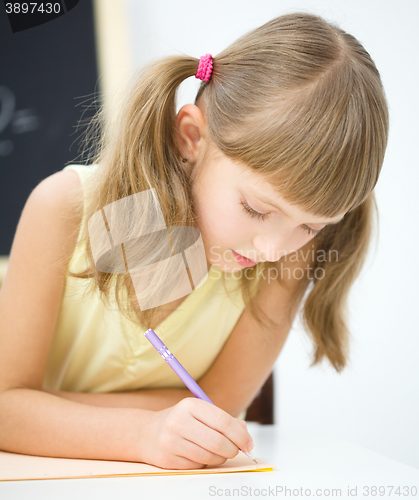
{"type": "Point", "coordinates": [208, 439]}
{"type": "Point", "coordinates": [221, 421]}
{"type": "Point", "coordinates": [197, 454]}
{"type": "Point", "coordinates": [242, 423]}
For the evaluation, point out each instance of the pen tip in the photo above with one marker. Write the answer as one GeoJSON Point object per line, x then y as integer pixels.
{"type": "Point", "coordinates": [250, 455]}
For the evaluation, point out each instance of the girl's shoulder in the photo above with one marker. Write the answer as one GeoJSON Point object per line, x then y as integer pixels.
{"type": "Point", "coordinates": [62, 189]}
{"type": "Point", "coordinates": [58, 201]}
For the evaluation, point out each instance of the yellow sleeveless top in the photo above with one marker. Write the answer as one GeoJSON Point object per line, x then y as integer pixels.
{"type": "Point", "coordinates": [97, 349]}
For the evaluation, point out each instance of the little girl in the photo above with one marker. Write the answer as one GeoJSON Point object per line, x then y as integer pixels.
{"type": "Point", "coordinates": [275, 165]}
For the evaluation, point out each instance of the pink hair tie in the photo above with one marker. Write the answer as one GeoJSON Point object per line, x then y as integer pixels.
{"type": "Point", "coordinates": [204, 68]}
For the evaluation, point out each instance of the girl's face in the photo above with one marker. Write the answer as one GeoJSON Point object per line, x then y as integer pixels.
{"type": "Point", "coordinates": [239, 214]}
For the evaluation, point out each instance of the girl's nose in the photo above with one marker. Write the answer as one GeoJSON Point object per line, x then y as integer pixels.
{"type": "Point", "coordinates": [272, 249]}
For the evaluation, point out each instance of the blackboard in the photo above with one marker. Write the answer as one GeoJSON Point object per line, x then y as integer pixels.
{"type": "Point", "coordinates": [48, 86]}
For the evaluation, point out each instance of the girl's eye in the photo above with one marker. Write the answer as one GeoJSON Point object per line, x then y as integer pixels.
{"type": "Point", "coordinates": [310, 230]}
{"type": "Point", "coordinates": [248, 210]}
{"type": "Point", "coordinates": [253, 213]}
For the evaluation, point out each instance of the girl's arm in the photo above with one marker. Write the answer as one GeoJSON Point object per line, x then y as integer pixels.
{"type": "Point", "coordinates": [147, 399]}
{"type": "Point", "coordinates": [35, 423]}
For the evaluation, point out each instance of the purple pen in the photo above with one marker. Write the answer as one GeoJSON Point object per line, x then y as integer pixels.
{"type": "Point", "coordinates": [181, 372]}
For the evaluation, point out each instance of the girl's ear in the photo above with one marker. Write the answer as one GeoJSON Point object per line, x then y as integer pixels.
{"type": "Point", "coordinates": [191, 132]}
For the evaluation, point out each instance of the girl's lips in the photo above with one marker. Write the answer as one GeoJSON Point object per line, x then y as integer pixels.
{"type": "Point", "coordinates": [243, 261]}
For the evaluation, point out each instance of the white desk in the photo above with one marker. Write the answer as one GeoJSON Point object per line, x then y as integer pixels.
{"type": "Point", "coordinates": [304, 462]}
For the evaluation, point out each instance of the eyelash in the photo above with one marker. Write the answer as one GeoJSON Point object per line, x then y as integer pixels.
{"type": "Point", "coordinates": [248, 210]}
{"type": "Point", "coordinates": [252, 212]}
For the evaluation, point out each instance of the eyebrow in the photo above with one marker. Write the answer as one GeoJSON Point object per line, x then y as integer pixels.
{"type": "Point", "coordinates": [268, 202]}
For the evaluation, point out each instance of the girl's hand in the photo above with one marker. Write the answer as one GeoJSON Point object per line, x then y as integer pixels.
{"type": "Point", "coordinates": [191, 435]}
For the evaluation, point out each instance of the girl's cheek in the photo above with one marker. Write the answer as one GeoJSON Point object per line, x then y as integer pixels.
{"type": "Point", "coordinates": [300, 242]}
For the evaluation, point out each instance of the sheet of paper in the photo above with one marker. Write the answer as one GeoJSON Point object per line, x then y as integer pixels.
{"type": "Point", "coordinates": [16, 467]}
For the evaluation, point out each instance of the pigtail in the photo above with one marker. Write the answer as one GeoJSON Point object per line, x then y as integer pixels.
{"type": "Point", "coordinates": [137, 151]}
{"type": "Point", "coordinates": [146, 133]}
{"type": "Point", "coordinates": [340, 255]}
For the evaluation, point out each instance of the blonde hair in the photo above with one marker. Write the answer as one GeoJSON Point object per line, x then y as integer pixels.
{"type": "Point", "coordinates": [299, 101]}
